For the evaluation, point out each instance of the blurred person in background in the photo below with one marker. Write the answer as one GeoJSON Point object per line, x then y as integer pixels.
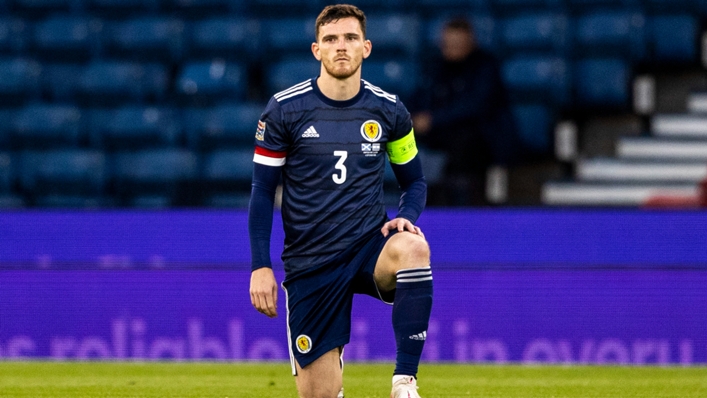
{"type": "Point", "coordinates": [462, 109]}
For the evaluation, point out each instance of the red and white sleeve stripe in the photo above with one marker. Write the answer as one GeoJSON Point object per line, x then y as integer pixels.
{"type": "Point", "coordinates": [268, 157]}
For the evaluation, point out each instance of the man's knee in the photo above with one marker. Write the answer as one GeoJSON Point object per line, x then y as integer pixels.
{"type": "Point", "coordinates": [410, 250]}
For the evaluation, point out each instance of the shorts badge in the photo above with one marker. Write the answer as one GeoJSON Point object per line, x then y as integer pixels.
{"type": "Point", "coordinates": [371, 130]}
{"type": "Point", "coordinates": [304, 343]}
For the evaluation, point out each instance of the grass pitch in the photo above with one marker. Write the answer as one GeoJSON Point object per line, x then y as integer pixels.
{"type": "Point", "coordinates": [246, 380]}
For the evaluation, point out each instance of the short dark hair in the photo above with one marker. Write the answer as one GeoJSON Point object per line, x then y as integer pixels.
{"type": "Point", "coordinates": [336, 12]}
{"type": "Point", "coordinates": [459, 23]}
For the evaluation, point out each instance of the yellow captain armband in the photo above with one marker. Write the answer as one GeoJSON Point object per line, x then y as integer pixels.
{"type": "Point", "coordinates": [403, 150]}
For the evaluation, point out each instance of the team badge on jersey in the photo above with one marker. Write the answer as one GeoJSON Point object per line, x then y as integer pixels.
{"type": "Point", "coordinates": [260, 132]}
{"type": "Point", "coordinates": [371, 130]}
{"type": "Point", "coordinates": [304, 343]}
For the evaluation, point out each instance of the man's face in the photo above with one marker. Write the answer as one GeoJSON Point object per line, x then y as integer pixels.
{"type": "Point", "coordinates": [341, 47]}
{"type": "Point", "coordinates": [456, 44]}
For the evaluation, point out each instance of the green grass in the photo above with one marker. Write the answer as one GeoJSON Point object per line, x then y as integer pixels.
{"type": "Point", "coordinates": [243, 380]}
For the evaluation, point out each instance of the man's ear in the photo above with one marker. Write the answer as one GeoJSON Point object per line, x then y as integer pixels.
{"type": "Point", "coordinates": [367, 48]}
{"type": "Point", "coordinates": [315, 51]}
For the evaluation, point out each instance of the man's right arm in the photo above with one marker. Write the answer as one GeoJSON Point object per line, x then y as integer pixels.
{"type": "Point", "coordinates": [263, 287]}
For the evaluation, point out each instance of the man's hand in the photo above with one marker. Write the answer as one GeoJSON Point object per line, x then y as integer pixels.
{"type": "Point", "coordinates": [401, 225]}
{"type": "Point", "coordinates": [263, 291]}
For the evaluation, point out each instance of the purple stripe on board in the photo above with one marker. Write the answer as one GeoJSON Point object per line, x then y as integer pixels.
{"type": "Point", "coordinates": [479, 238]}
{"type": "Point", "coordinates": [559, 316]}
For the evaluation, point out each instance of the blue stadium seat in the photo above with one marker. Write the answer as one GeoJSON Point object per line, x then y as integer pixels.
{"type": "Point", "coordinates": [146, 38]}
{"type": "Point", "coordinates": [38, 7]}
{"type": "Point", "coordinates": [122, 7]}
{"type": "Point", "coordinates": [19, 78]}
{"type": "Point", "coordinates": [457, 5]}
{"type": "Point", "coordinates": [539, 77]}
{"type": "Point", "coordinates": [226, 37]}
{"type": "Point", "coordinates": [290, 71]}
{"type": "Point", "coordinates": [238, 200]}
{"type": "Point", "coordinates": [393, 35]}
{"type": "Point", "coordinates": [134, 127]}
{"type": "Point", "coordinates": [70, 171]}
{"type": "Point", "coordinates": [585, 5]}
{"type": "Point", "coordinates": [602, 82]}
{"type": "Point", "coordinates": [611, 33]}
{"type": "Point", "coordinates": [485, 30]}
{"type": "Point", "coordinates": [286, 7]}
{"type": "Point", "coordinates": [226, 125]}
{"type": "Point", "coordinates": [288, 36]}
{"type": "Point", "coordinates": [673, 38]}
{"type": "Point", "coordinates": [155, 167]}
{"type": "Point", "coordinates": [5, 127]}
{"type": "Point", "coordinates": [69, 38]}
{"type": "Point", "coordinates": [540, 31]}
{"type": "Point", "coordinates": [112, 81]}
{"type": "Point", "coordinates": [7, 176]}
{"type": "Point", "coordinates": [60, 201]}
{"type": "Point", "coordinates": [395, 77]}
{"type": "Point", "coordinates": [674, 6]}
{"type": "Point", "coordinates": [11, 202]}
{"type": "Point", "coordinates": [512, 6]}
{"type": "Point", "coordinates": [214, 79]}
{"type": "Point", "coordinates": [535, 123]}
{"type": "Point", "coordinates": [229, 166]}
{"type": "Point", "coordinates": [14, 35]}
{"type": "Point", "coordinates": [47, 125]}
{"type": "Point", "coordinates": [207, 7]}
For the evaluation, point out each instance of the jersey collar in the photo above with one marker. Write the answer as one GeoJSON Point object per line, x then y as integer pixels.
{"type": "Point", "coordinates": [335, 103]}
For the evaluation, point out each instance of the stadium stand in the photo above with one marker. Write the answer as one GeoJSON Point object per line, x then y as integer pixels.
{"type": "Point", "coordinates": [175, 81]}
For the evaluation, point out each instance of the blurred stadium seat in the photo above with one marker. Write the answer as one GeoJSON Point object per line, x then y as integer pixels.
{"type": "Point", "coordinates": [618, 33]}
{"type": "Point", "coordinates": [226, 177]}
{"type": "Point", "coordinates": [19, 79]}
{"type": "Point", "coordinates": [232, 167]}
{"type": "Point", "coordinates": [289, 36]}
{"type": "Point", "coordinates": [673, 38]}
{"type": "Point", "coordinates": [119, 81]}
{"type": "Point", "coordinates": [290, 71]}
{"type": "Point", "coordinates": [67, 38]}
{"type": "Point", "coordinates": [7, 176]}
{"type": "Point", "coordinates": [539, 31]}
{"type": "Point", "coordinates": [113, 8]}
{"type": "Point", "coordinates": [5, 128]}
{"type": "Point", "coordinates": [538, 77]}
{"type": "Point", "coordinates": [395, 77]}
{"type": "Point", "coordinates": [14, 35]}
{"type": "Point", "coordinates": [45, 7]}
{"type": "Point", "coordinates": [225, 125]}
{"type": "Point", "coordinates": [505, 6]}
{"type": "Point", "coordinates": [231, 38]}
{"type": "Point", "coordinates": [393, 35]}
{"type": "Point", "coordinates": [206, 7]}
{"type": "Point", "coordinates": [157, 38]}
{"type": "Point", "coordinates": [134, 127]}
{"type": "Point", "coordinates": [68, 172]}
{"type": "Point", "coordinates": [457, 5]}
{"type": "Point", "coordinates": [11, 202]}
{"type": "Point", "coordinates": [153, 168]}
{"type": "Point", "coordinates": [214, 80]}
{"type": "Point", "coordinates": [583, 5]}
{"type": "Point", "coordinates": [58, 201]}
{"type": "Point", "coordinates": [602, 82]}
{"type": "Point", "coordinates": [535, 122]}
{"type": "Point", "coordinates": [46, 126]}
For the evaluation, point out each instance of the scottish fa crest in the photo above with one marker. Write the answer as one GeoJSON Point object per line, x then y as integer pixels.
{"type": "Point", "coordinates": [371, 130]}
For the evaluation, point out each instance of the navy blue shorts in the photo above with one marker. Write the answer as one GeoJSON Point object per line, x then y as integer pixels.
{"type": "Point", "coordinates": [319, 301]}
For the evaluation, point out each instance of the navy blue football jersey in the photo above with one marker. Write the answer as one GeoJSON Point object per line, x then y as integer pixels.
{"type": "Point", "coordinates": [332, 155]}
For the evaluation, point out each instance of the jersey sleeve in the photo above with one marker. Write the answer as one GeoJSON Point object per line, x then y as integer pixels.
{"type": "Point", "coordinates": [271, 138]}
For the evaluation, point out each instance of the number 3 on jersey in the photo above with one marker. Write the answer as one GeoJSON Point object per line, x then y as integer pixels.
{"type": "Point", "coordinates": [340, 178]}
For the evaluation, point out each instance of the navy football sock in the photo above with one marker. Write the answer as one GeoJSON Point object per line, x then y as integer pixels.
{"type": "Point", "coordinates": [411, 315]}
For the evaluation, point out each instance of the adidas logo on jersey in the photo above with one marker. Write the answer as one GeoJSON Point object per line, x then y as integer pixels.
{"type": "Point", "coordinates": [310, 133]}
{"type": "Point", "coordinates": [420, 336]}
